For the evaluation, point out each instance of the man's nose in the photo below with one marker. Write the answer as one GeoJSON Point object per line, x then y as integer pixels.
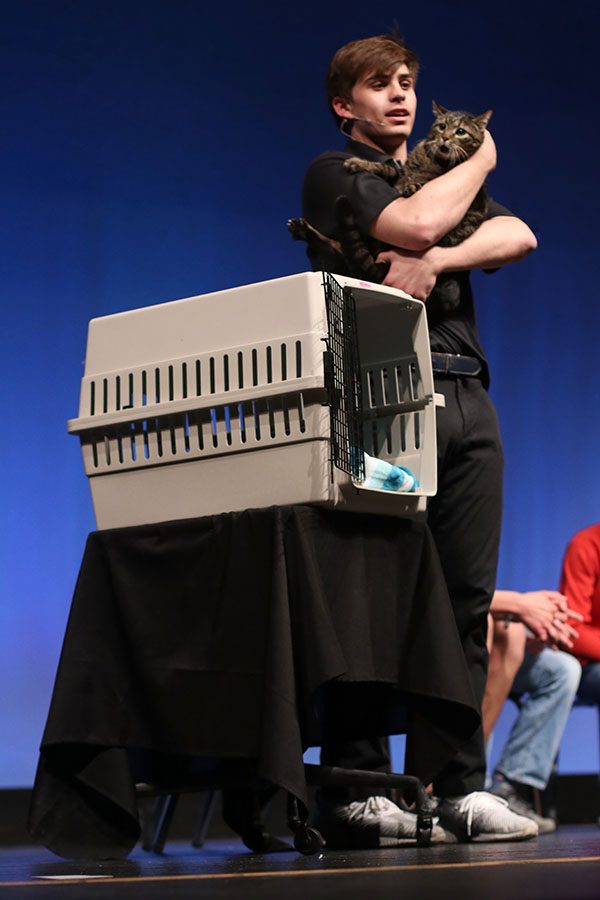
{"type": "Point", "coordinates": [398, 91]}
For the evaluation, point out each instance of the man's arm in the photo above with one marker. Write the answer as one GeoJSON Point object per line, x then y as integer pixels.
{"type": "Point", "coordinates": [506, 647]}
{"type": "Point", "coordinates": [579, 580]}
{"type": "Point", "coordinates": [545, 613]}
{"type": "Point", "coordinates": [419, 221]}
{"type": "Point", "coordinates": [497, 241]}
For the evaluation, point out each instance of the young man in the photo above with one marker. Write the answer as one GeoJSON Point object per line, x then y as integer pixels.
{"type": "Point", "coordinates": [543, 678]}
{"type": "Point", "coordinates": [371, 91]}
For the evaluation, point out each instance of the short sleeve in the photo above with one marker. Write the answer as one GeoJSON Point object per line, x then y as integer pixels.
{"type": "Point", "coordinates": [369, 196]}
{"type": "Point", "coordinates": [326, 180]}
{"type": "Point", "coordinates": [496, 209]}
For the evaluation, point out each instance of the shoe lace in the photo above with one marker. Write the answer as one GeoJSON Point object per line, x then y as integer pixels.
{"type": "Point", "coordinates": [477, 801]}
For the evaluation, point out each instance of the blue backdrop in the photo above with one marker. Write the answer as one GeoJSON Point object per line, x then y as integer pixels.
{"type": "Point", "coordinates": [153, 149]}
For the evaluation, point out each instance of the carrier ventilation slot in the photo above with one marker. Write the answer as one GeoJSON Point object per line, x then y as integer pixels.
{"type": "Point", "coordinates": [188, 434]}
{"type": "Point", "coordinates": [393, 412]}
{"type": "Point", "coordinates": [178, 381]}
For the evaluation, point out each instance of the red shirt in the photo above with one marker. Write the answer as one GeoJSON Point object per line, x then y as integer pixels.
{"type": "Point", "coordinates": [580, 582]}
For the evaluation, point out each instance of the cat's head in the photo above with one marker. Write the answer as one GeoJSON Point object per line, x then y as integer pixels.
{"type": "Point", "coordinates": [454, 136]}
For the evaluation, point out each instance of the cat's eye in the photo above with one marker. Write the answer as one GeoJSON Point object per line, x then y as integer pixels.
{"type": "Point", "coordinates": [460, 132]}
{"type": "Point", "coordinates": [441, 126]}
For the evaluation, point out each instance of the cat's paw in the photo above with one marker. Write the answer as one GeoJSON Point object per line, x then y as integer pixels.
{"type": "Point", "coordinates": [354, 164]}
{"type": "Point", "coordinates": [409, 188]}
{"type": "Point", "coordinates": [297, 229]}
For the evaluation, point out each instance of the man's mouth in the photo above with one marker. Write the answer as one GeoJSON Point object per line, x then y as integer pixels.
{"type": "Point", "coordinates": [397, 114]}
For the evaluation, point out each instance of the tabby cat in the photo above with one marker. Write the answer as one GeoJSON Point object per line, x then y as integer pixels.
{"type": "Point", "coordinates": [453, 137]}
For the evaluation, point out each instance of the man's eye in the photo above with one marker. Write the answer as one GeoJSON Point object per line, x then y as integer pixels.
{"type": "Point", "coordinates": [406, 85]}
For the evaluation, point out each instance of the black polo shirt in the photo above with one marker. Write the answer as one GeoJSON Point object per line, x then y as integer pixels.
{"type": "Point", "coordinates": [326, 180]}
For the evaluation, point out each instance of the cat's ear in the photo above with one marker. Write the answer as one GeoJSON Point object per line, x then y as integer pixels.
{"type": "Point", "coordinates": [484, 118]}
{"type": "Point", "coordinates": [437, 109]}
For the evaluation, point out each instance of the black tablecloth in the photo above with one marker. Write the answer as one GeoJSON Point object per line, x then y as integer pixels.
{"type": "Point", "coordinates": [244, 636]}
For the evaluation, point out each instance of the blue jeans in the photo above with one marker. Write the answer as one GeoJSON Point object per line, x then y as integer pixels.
{"type": "Point", "coordinates": [589, 687]}
{"type": "Point", "coordinates": [546, 684]}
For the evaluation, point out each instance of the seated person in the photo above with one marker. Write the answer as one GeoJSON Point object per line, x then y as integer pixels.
{"type": "Point", "coordinates": [544, 678]}
{"type": "Point", "coordinates": [580, 582]}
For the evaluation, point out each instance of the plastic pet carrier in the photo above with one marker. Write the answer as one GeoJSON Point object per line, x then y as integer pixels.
{"type": "Point", "coordinates": [262, 395]}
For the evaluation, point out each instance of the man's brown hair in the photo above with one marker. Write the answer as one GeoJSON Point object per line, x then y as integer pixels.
{"type": "Point", "coordinates": [381, 55]}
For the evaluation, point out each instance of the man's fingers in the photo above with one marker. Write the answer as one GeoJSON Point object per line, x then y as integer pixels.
{"type": "Point", "coordinates": [562, 633]}
{"type": "Point", "coordinates": [574, 615]}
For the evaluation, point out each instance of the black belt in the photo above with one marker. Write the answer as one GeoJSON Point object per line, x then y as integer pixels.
{"type": "Point", "coordinates": [454, 364]}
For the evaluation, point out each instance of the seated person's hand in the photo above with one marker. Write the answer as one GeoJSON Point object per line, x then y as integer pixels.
{"type": "Point", "coordinates": [546, 615]}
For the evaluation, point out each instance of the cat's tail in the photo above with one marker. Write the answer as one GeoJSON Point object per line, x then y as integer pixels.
{"type": "Point", "coordinates": [357, 254]}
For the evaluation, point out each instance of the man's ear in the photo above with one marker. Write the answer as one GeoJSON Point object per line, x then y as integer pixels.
{"type": "Point", "coordinates": [342, 108]}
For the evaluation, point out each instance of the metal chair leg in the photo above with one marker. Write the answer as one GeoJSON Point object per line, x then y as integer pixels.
{"type": "Point", "coordinates": [203, 820]}
{"type": "Point", "coordinates": [165, 811]}
{"type": "Point", "coordinates": [148, 817]}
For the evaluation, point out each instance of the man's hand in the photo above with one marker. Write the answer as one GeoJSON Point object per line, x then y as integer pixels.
{"type": "Point", "coordinates": [487, 152]}
{"type": "Point", "coordinates": [545, 613]}
{"type": "Point", "coordinates": [412, 271]}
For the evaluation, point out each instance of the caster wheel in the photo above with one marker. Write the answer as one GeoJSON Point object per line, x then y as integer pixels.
{"type": "Point", "coordinates": [257, 839]}
{"type": "Point", "coordinates": [424, 827]}
{"type": "Point", "coordinates": [308, 840]}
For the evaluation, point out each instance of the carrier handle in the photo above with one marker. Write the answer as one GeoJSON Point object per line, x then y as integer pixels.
{"type": "Point", "coordinates": [396, 409]}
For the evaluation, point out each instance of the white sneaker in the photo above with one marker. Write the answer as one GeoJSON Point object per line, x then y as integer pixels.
{"type": "Point", "coordinates": [372, 823]}
{"type": "Point", "coordinates": [481, 816]}
{"type": "Point", "coordinates": [519, 805]}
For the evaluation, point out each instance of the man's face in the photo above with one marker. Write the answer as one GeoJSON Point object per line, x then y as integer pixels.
{"type": "Point", "coordinates": [382, 109]}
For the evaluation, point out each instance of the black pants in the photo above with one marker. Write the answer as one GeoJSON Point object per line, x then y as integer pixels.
{"type": "Point", "coordinates": [465, 518]}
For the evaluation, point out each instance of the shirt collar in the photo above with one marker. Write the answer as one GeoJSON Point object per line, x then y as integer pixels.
{"type": "Point", "coordinates": [365, 151]}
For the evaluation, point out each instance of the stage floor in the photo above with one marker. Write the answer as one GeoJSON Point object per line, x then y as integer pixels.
{"type": "Point", "coordinates": [562, 866]}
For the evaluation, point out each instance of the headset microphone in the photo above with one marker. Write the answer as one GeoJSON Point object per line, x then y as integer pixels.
{"type": "Point", "coordinates": [346, 124]}
{"type": "Point", "coordinates": [368, 121]}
